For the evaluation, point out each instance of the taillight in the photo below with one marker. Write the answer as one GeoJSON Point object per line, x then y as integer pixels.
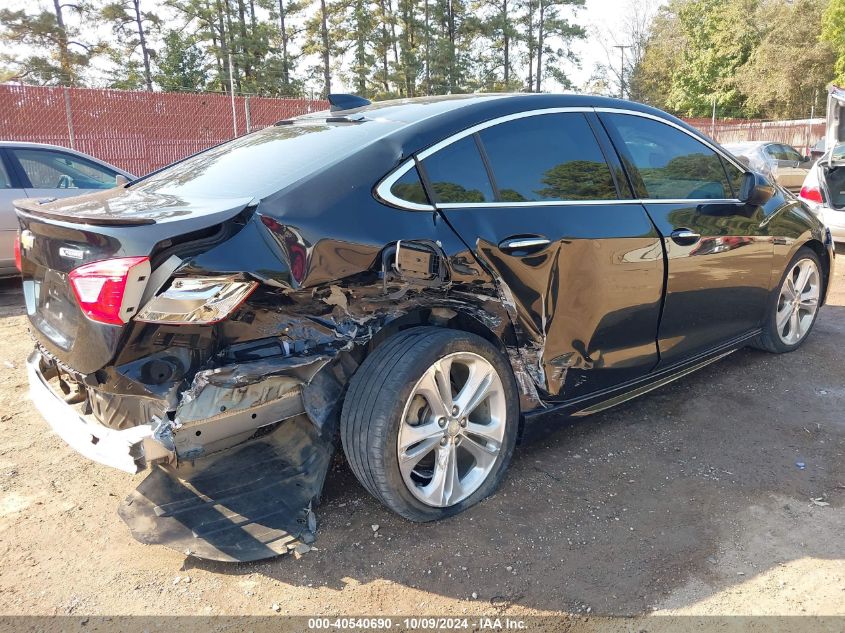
{"type": "Point", "coordinates": [197, 301]}
{"type": "Point", "coordinates": [811, 194]}
{"type": "Point", "coordinates": [18, 263]}
{"type": "Point", "coordinates": [109, 291]}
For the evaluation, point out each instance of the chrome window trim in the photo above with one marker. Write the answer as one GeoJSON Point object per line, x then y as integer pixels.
{"type": "Point", "coordinates": [532, 203]}
{"type": "Point", "coordinates": [700, 139]}
{"type": "Point", "coordinates": [582, 203]}
{"type": "Point", "coordinates": [486, 124]}
{"type": "Point", "coordinates": [384, 187]}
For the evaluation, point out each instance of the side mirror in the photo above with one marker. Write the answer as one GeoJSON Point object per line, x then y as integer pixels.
{"type": "Point", "coordinates": [756, 190]}
{"type": "Point", "coordinates": [120, 180]}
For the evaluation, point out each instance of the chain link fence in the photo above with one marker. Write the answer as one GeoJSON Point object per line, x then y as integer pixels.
{"type": "Point", "coordinates": [137, 131]}
{"type": "Point", "coordinates": [801, 134]}
{"type": "Point", "coordinates": [142, 131]}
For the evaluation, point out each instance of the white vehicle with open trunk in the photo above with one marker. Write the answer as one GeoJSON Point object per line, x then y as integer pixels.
{"type": "Point", "coordinates": [824, 186]}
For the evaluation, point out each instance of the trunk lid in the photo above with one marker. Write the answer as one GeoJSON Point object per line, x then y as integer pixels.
{"type": "Point", "coordinates": [59, 236]}
{"type": "Point", "coordinates": [835, 129]}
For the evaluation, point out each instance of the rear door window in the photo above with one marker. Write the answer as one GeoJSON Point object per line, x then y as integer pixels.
{"type": "Point", "coordinates": [50, 169]}
{"type": "Point", "coordinates": [5, 179]}
{"type": "Point", "coordinates": [670, 164]}
{"type": "Point", "coordinates": [456, 173]}
{"type": "Point", "coordinates": [547, 157]}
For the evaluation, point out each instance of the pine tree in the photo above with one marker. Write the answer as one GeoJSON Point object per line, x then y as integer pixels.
{"type": "Point", "coordinates": [181, 64]}
{"type": "Point", "coordinates": [59, 54]}
{"type": "Point", "coordinates": [132, 25]}
{"type": "Point", "coordinates": [555, 35]}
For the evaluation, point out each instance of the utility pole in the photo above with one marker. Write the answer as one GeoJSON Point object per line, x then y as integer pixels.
{"type": "Point", "coordinates": [713, 120]}
{"type": "Point", "coordinates": [232, 94]}
{"type": "Point", "coordinates": [622, 48]}
{"type": "Point", "coordinates": [810, 143]}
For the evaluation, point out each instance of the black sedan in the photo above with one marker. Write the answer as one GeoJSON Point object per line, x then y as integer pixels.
{"type": "Point", "coordinates": [423, 280]}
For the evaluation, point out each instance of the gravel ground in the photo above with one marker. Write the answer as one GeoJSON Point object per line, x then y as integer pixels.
{"type": "Point", "coordinates": [686, 501]}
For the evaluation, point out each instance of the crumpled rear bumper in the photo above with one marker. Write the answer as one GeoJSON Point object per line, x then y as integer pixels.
{"type": "Point", "coordinates": [129, 450]}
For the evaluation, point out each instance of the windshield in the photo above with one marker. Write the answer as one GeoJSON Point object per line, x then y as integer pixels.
{"type": "Point", "coordinates": [262, 163]}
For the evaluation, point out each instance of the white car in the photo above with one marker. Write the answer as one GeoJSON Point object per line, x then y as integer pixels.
{"type": "Point", "coordinates": [782, 163]}
{"type": "Point", "coordinates": [824, 187]}
{"type": "Point", "coordinates": [37, 170]}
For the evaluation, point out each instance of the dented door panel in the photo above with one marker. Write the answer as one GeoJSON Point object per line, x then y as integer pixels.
{"type": "Point", "coordinates": [587, 306]}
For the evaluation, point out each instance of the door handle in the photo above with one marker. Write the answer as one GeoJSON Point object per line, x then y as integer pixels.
{"type": "Point", "coordinates": [685, 237]}
{"type": "Point", "coordinates": [524, 243]}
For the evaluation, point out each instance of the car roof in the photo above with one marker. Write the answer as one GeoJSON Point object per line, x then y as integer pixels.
{"type": "Point", "coordinates": [415, 109]}
{"type": "Point", "coordinates": [422, 121]}
{"type": "Point", "coordinates": [31, 145]}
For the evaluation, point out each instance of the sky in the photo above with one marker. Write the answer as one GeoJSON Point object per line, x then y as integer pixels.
{"type": "Point", "coordinates": [595, 15]}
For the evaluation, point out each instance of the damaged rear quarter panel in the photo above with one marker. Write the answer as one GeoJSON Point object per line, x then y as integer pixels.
{"type": "Point", "coordinates": [322, 302]}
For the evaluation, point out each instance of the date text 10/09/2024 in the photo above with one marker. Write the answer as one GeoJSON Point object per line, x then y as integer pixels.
{"type": "Point", "coordinates": [433, 623]}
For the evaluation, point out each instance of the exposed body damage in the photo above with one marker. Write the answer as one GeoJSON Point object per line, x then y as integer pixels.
{"type": "Point", "coordinates": [325, 270]}
{"type": "Point", "coordinates": [246, 504]}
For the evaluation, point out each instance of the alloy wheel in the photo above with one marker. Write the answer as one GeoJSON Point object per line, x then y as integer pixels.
{"type": "Point", "coordinates": [452, 429]}
{"type": "Point", "coordinates": [798, 302]}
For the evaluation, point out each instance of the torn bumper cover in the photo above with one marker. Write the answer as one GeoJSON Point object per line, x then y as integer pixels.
{"type": "Point", "coordinates": [250, 503]}
{"type": "Point", "coordinates": [128, 450]}
{"type": "Point", "coordinates": [237, 471]}
{"type": "Point", "coordinates": [223, 406]}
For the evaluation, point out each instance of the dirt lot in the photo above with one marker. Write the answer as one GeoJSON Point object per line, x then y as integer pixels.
{"type": "Point", "coordinates": [686, 501]}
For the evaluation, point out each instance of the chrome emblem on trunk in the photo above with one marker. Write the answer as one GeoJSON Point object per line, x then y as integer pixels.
{"type": "Point", "coordinates": [27, 239]}
{"type": "Point", "coordinates": [72, 253]}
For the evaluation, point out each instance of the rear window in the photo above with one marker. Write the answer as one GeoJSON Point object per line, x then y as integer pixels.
{"type": "Point", "coordinates": [409, 187]}
{"type": "Point", "coordinates": [262, 163]}
{"type": "Point", "coordinates": [548, 157]}
{"type": "Point", "coordinates": [457, 173]}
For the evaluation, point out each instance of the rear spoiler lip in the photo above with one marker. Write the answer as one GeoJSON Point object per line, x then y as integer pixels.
{"type": "Point", "coordinates": [30, 209]}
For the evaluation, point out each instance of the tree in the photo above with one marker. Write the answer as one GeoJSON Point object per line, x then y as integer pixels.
{"type": "Point", "coordinates": [719, 40]}
{"type": "Point", "coordinates": [549, 34]}
{"type": "Point", "coordinates": [632, 32]}
{"type": "Point", "coordinates": [181, 64]}
{"type": "Point", "coordinates": [555, 36]}
{"type": "Point", "coordinates": [58, 55]}
{"type": "Point", "coordinates": [753, 58]}
{"type": "Point", "coordinates": [578, 180]}
{"type": "Point", "coordinates": [318, 43]}
{"type": "Point", "coordinates": [650, 77]}
{"type": "Point", "coordinates": [132, 25]}
{"type": "Point", "coordinates": [784, 77]}
{"type": "Point", "coordinates": [286, 11]}
{"type": "Point", "coordinates": [379, 48]}
{"type": "Point", "coordinates": [833, 34]}
{"type": "Point", "coordinates": [499, 30]}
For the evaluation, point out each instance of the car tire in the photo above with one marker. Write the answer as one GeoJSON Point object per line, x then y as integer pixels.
{"type": "Point", "coordinates": [395, 398]}
{"type": "Point", "coordinates": [785, 330]}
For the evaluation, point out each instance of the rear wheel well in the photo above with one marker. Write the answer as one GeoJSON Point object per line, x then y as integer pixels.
{"type": "Point", "coordinates": [444, 317]}
{"type": "Point", "coordinates": [449, 318]}
{"type": "Point", "coordinates": [824, 258]}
